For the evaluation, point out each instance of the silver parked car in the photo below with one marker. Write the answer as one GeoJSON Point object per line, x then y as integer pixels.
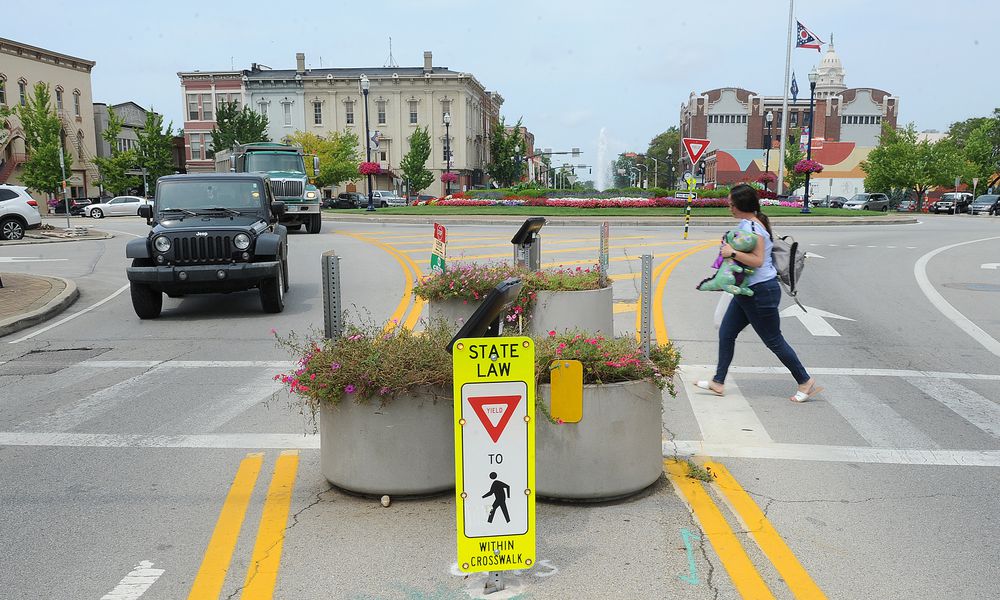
{"type": "Point", "coordinates": [384, 198]}
{"type": "Point", "coordinates": [868, 202]}
{"type": "Point", "coordinates": [116, 207]}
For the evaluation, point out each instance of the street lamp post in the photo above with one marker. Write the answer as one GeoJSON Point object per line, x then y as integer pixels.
{"type": "Point", "coordinates": [447, 153]}
{"type": "Point", "coordinates": [656, 171]}
{"type": "Point", "coordinates": [645, 174]}
{"type": "Point", "coordinates": [365, 84]}
{"type": "Point", "coordinates": [813, 76]}
{"type": "Point", "coordinates": [769, 117]}
{"type": "Point", "coordinates": [670, 165]}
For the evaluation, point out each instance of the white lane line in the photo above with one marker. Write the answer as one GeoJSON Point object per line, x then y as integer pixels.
{"type": "Point", "coordinates": [974, 408]}
{"type": "Point", "coordinates": [227, 406]}
{"type": "Point", "coordinates": [848, 454]}
{"type": "Point", "coordinates": [72, 316]}
{"type": "Point", "coordinates": [135, 583]}
{"type": "Point", "coordinates": [874, 420]}
{"type": "Point", "coordinates": [187, 364]}
{"type": "Point", "coordinates": [262, 441]}
{"type": "Point", "coordinates": [729, 417]}
{"type": "Point", "coordinates": [860, 372]}
{"type": "Point", "coordinates": [949, 311]}
{"type": "Point", "coordinates": [90, 406]}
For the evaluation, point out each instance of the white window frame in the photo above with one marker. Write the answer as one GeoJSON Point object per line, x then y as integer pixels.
{"type": "Point", "coordinates": [192, 99]}
{"type": "Point", "coordinates": [196, 143]}
{"type": "Point", "coordinates": [286, 113]}
{"type": "Point", "coordinates": [207, 112]}
{"type": "Point", "coordinates": [349, 112]}
{"type": "Point", "coordinates": [380, 110]}
{"type": "Point", "coordinates": [414, 113]}
{"type": "Point", "coordinates": [59, 99]}
{"type": "Point", "coordinates": [317, 112]}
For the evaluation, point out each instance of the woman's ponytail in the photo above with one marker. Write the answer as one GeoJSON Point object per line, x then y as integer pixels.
{"type": "Point", "coordinates": [767, 222]}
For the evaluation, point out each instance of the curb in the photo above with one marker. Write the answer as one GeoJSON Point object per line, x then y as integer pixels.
{"type": "Point", "coordinates": [25, 241]}
{"type": "Point", "coordinates": [626, 221]}
{"type": "Point", "coordinates": [55, 306]}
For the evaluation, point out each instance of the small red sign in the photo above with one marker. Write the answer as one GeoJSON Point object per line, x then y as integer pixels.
{"type": "Point", "coordinates": [440, 233]}
{"type": "Point", "coordinates": [504, 404]}
{"type": "Point", "coordinates": [695, 148]}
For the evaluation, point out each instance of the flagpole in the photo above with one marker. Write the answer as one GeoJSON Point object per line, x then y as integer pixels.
{"type": "Point", "coordinates": [784, 100]}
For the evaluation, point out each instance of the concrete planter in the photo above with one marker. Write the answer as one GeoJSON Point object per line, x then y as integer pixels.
{"type": "Point", "coordinates": [614, 451]}
{"type": "Point", "coordinates": [452, 310]}
{"type": "Point", "coordinates": [405, 448]}
{"type": "Point", "coordinates": [588, 310]}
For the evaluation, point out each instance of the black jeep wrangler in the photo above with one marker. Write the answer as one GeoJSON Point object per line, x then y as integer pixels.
{"type": "Point", "coordinates": [211, 233]}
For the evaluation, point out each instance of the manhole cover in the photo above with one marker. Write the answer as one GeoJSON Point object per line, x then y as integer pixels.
{"type": "Point", "coordinates": [46, 362]}
{"type": "Point", "coordinates": [975, 287]}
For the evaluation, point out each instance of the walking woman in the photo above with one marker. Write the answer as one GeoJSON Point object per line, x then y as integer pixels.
{"type": "Point", "coordinates": [760, 310]}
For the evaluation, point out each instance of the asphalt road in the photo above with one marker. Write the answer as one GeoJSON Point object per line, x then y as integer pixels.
{"type": "Point", "coordinates": [120, 439]}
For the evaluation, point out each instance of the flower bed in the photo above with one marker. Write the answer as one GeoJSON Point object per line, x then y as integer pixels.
{"type": "Point", "coordinates": [587, 202]}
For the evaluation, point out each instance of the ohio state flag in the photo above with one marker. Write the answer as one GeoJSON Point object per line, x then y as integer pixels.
{"type": "Point", "coordinates": [806, 38]}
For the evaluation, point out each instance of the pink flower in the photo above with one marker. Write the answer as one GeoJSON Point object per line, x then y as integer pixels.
{"type": "Point", "coordinates": [274, 331]}
{"type": "Point", "coordinates": [383, 390]}
{"type": "Point", "coordinates": [334, 366]}
{"type": "Point", "coordinates": [312, 377]}
{"type": "Point", "coordinates": [350, 388]}
{"type": "Point", "coordinates": [552, 333]}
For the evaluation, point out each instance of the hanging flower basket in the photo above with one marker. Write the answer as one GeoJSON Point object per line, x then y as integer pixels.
{"type": "Point", "coordinates": [766, 178]}
{"type": "Point", "coordinates": [449, 177]}
{"type": "Point", "coordinates": [369, 168]}
{"type": "Point", "coordinates": [808, 166]}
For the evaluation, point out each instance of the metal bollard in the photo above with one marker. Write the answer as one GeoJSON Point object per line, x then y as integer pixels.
{"type": "Point", "coordinates": [333, 316]}
{"type": "Point", "coordinates": [646, 316]}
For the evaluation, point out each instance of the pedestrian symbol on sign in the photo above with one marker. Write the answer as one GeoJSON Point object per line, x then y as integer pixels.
{"type": "Point", "coordinates": [500, 492]}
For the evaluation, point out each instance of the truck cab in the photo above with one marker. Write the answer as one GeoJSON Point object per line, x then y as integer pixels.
{"type": "Point", "coordinates": [284, 165]}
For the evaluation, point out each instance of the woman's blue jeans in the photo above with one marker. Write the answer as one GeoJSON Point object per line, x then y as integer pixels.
{"type": "Point", "coordinates": [760, 311]}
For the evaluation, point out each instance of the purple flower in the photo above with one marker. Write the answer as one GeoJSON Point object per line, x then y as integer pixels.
{"type": "Point", "coordinates": [334, 366]}
{"type": "Point", "coordinates": [383, 390]}
{"type": "Point", "coordinates": [349, 388]}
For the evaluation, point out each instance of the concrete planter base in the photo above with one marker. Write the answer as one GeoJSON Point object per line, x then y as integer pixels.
{"type": "Point", "coordinates": [452, 311]}
{"type": "Point", "coordinates": [405, 448]}
{"type": "Point", "coordinates": [613, 452]}
{"type": "Point", "coordinates": [588, 310]}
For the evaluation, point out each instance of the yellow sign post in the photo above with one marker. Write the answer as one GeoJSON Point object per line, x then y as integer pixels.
{"type": "Point", "coordinates": [495, 453]}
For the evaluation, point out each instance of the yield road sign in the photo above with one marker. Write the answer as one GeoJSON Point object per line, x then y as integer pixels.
{"type": "Point", "coordinates": [814, 320]}
{"type": "Point", "coordinates": [495, 453]}
{"type": "Point", "coordinates": [695, 147]}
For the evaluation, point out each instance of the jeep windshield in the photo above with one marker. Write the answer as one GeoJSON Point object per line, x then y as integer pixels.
{"type": "Point", "coordinates": [209, 196]}
{"type": "Point", "coordinates": [275, 161]}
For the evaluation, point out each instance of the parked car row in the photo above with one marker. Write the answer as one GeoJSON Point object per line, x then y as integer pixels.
{"type": "Point", "coordinates": [952, 203]}
{"type": "Point", "coordinates": [380, 199]}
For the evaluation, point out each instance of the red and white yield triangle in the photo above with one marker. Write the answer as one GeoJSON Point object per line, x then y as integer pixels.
{"type": "Point", "coordinates": [695, 148]}
{"type": "Point", "coordinates": [496, 417]}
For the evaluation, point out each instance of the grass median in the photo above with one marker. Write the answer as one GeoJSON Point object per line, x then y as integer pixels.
{"type": "Point", "coordinates": [561, 211]}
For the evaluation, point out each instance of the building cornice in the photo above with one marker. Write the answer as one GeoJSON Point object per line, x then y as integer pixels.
{"type": "Point", "coordinates": [45, 56]}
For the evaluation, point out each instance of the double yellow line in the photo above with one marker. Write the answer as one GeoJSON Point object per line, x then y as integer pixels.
{"type": "Point", "coordinates": [411, 273]}
{"type": "Point", "coordinates": [660, 276]}
{"type": "Point", "coordinates": [744, 575]}
{"type": "Point", "coordinates": [262, 573]}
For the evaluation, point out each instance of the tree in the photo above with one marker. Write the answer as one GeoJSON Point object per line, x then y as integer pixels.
{"type": "Point", "coordinates": [793, 154]}
{"type": "Point", "coordinates": [622, 170]}
{"type": "Point", "coordinates": [156, 147]}
{"type": "Point", "coordinates": [414, 163]}
{"type": "Point", "coordinates": [507, 165]}
{"type": "Point", "coordinates": [234, 125]}
{"type": "Point", "coordinates": [42, 133]}
{"type": "Point", "coordinates": [658, 147]}
{"type": "Point", "coordinates": [982, 151]}
{"type": "Point", "coordinates": [114, 169]}
{"type": "Point", "coordinates": [338, 155]}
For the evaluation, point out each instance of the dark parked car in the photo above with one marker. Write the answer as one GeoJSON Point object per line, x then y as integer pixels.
{"type": "Point", "coordinates": [829, 201]}
{"type": "Point", "coordinates": [953, 203]}
{"type": "Point", "coordinates": [346, 200]}
{"type": "Point", "coordinates": [212, 233]}
{"type": "Point", "coordinates": [76, 206]}
{"type": "Point", "coordinates": [987, 203]}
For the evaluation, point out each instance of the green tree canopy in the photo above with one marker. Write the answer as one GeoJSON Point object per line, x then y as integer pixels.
{"type": "Point", "coordinates": [414, 164]}
{"type": "Point", "coordinates": [114, 169]}
{"type": "Point", "coordinates": [42, 134]}
{"type": "Point", "coordinates": [338, 155]}
{"type": "Point", "coordinates": [658, 149]}
{"type": "Point", "coordinates": [793, 154]}
{"type": "Point", "coordinates": [155, 151]}
{"type": "Point", "coordinates": [507, 165]}
{"type": "Point", "coordinates": [982, 151]}
{"type": "Point", "coordinates": [237, 126]}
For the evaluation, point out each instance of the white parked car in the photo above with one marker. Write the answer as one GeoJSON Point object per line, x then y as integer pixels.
{"type": "Point", "coordinates": [18, 212]}
{"type": "Point", "coordinates": [384, 198]}
{"type": "Point", "coordinates": [117, 206]}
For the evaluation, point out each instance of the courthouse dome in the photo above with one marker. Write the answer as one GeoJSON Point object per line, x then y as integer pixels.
{"type": "Point", "coordinates": [831, 73]}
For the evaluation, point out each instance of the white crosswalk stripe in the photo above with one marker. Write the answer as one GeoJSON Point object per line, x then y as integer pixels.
{"type": "Point", "coordinates": [873, 419]}
{"type": "Point", "coordinates": [971, 406]}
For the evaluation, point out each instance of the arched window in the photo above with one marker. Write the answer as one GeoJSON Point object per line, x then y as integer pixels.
{"type": "Point", "coordinates": [22, 91]}
{"type": "Point", "coordinates": [59, 98]}
{"type": "Point", "coordinates": [3, 90]}
{"type": "Point", "coordinates": [76, 102]}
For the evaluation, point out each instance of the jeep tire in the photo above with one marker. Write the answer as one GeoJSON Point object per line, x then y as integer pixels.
{"type": "Point", "coordinates": [146, 301]}
{"type": "Point", "coordinates": [272, 292]}
{"type": "Point", "coordinates": [315, 224]}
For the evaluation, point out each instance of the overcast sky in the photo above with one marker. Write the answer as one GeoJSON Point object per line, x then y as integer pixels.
{"type": "Point", "coordinates": [568, 68]}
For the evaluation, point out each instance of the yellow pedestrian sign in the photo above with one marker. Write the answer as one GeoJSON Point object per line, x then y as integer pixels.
{"type": "Point", "coordinates": [495, 453]}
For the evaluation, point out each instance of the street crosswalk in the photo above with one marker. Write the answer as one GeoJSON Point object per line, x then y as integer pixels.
{"type": "Point", "coordinates": [876, 422]}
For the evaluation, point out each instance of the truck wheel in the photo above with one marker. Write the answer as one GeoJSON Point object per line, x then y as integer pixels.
{"type": "Point", "coordinates": [284, 273]}
{"type": "Point", "coordinates": [315, 223]}
{"type": "Point", "coordinates": [146, 301]}
{"type": "Point", "coordinates": [272, 293]}
{"type": "Point", "coordinates": [885, 209]}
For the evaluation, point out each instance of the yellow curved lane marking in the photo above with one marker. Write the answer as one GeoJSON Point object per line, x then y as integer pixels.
{"type": "Point", "coordinates": [659, 319]}
{"type": "Point", "coordinates": [767, 538]}
{"type": "Point", "coordinates": [747, 581]}
{"type": "Point", "coordinates": [404, 302]}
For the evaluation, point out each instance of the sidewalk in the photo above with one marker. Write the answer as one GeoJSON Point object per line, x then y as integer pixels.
{"type": "Point", "coordinates": [58, 234]}
{"type": "Point", "coordinates": [26, 300]}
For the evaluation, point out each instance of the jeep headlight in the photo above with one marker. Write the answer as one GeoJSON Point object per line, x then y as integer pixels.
{"type": "Point", "coordinates": [162, 243]}
{"type": "Point", "coordinates": [311, 195]}
{"type": "Point", "coordinates": [241, 241]}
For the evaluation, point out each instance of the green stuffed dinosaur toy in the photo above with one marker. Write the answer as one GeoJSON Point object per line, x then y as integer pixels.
{"type": "Point", "coordinates": [731, 276]}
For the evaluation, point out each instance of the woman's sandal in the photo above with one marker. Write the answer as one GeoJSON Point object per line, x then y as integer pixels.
{"type": "Point", "coordinates": [801, 397]}
{"type": "Point", "coordinates": [706, 385]}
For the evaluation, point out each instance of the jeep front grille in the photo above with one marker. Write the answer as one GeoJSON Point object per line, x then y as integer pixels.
{"type": "Point", "coordinates": [286, 188]}
{"type": "Point", "coordinates": [207, 249]}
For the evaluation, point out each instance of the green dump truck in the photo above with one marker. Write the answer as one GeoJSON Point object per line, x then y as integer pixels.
{"type": "Point", "coordinates": [285, 165]}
